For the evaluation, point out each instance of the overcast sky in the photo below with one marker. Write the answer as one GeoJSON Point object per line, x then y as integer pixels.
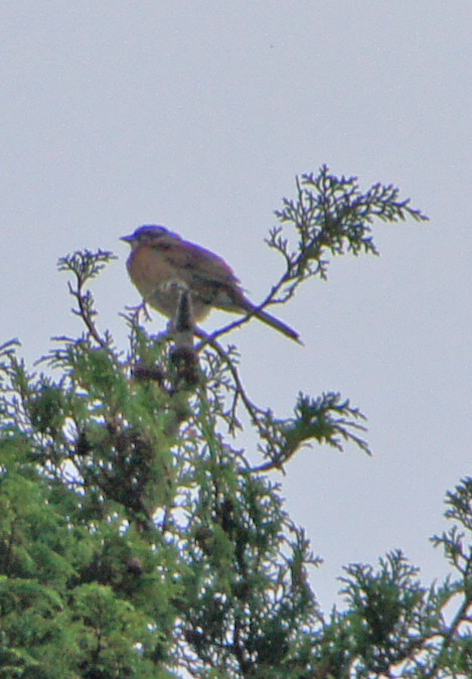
{"type": "Point", "coordinates": [198, 115]}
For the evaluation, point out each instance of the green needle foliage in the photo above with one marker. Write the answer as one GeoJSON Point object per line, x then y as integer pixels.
{"type": "Point", "coordinates": [137, 541]}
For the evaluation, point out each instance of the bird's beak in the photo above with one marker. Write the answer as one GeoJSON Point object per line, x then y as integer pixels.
{"type": "Point", "coordinates": [128, 239]}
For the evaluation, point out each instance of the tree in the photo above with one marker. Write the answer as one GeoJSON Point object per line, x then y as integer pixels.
{"type": "Point", "coordinates": [135, 541]}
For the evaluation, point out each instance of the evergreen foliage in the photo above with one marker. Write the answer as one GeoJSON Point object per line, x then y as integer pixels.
{"type": "Point", "coordinates": [136, 541]}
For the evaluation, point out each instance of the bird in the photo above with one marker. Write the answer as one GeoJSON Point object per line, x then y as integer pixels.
{"type": "Point", "coordinates": [161, 263]}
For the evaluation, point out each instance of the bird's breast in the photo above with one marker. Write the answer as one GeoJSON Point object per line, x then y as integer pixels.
{"type": "Point", "coordinates": [148, 270]}
{"type": "Point", "coordinates": [158, 281]}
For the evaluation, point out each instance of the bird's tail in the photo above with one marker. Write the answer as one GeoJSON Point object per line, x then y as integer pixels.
{"type": "Point", "coordinates": [278, 325]}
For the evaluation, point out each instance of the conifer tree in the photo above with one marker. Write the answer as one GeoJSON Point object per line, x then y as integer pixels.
{"type": "Point", "coordinates": [137, 541]}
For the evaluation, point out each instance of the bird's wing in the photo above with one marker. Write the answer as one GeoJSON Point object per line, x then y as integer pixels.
{"type": "Point", "coordinates": [195, 262]}
{"type": "Point", "coordinates": [207, 275]}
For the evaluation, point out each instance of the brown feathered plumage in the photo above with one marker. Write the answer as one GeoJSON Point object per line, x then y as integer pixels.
{"type": "Point", "coordinates": [161, 261]}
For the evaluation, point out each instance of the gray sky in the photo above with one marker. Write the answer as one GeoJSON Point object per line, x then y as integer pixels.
{"type": "Point", "coordinates": [198, 115]}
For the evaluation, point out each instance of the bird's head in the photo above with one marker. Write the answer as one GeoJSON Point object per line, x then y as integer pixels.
{"type": "Point", "coordinates": [147, 234]}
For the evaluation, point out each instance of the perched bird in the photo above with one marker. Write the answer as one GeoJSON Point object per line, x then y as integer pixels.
{"type": "Point", "coordinates": [161, 263]}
